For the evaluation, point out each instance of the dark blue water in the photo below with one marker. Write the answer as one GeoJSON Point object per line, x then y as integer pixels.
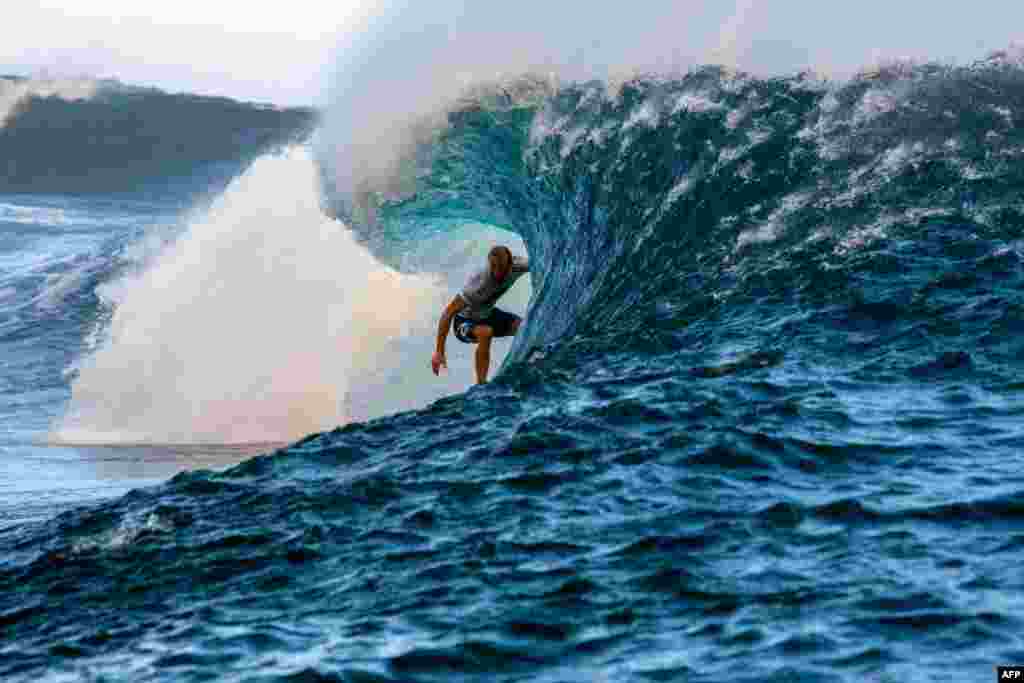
{"type": "Point", "coordinates": [764, 422]}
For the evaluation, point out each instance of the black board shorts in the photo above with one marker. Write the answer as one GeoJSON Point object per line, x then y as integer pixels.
{"type": "Point", "coordinates": [502, 322]}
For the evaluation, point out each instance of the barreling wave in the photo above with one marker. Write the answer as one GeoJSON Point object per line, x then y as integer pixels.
{"type": "Point", "coordinates": [646, 202]}
{"type": "Point", "coordinates": [76, 136]}
{"type": "Point", "coordinates": [766, 407]}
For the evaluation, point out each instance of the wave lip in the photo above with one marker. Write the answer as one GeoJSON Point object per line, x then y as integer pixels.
{"type": "Point", "coordinates": [716, 174]}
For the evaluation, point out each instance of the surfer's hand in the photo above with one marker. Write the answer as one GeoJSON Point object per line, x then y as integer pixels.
{"type": "Point", "coordinates": [438, 362]}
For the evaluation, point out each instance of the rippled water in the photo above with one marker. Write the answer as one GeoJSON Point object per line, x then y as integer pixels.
{"type": "Point", "coordinates": [764, 421]}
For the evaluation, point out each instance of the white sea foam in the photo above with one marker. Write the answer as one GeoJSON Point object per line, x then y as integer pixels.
{"type": "Point", "coordinates": [772, 228]}
{"type": "Point", "coordinates": [696, 103]}
{"type": "Point", "coordinates": [59, 286]}
{"type": "Point", "coordinates": [646, 114]}
{"type": "Point", "coordinates": [682, 187]}
{"type": "Point", "coordinates": [33, 215]}
{"type": "Point", "coordinates": [124, 534]}
{"type": "Point", "coordinates": [874, 103]}
{"type": "Point", "coordinates": [856, 240]}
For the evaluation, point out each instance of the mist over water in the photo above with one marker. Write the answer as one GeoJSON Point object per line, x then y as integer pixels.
{"type": "Point", "coordinates": [410, 62]}
{"type": "Point", "coordinates": [262, 321]}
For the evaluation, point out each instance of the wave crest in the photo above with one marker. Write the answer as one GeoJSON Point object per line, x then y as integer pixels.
{"type": "Point", "coordinates": [638, 197]}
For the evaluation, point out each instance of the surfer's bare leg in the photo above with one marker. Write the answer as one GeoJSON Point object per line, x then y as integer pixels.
{"type": "Point", "coordinates": [483, 334]}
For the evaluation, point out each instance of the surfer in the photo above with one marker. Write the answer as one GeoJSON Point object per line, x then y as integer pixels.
{"type": "Point", "coordinates": [476, 319]}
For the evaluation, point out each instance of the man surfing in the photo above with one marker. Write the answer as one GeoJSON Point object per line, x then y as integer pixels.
{"type": "Point", "coordinates": [477, 321]}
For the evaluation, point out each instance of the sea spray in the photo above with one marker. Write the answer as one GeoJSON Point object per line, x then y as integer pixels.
{"type": "Point", "coordinates": [263, 320]}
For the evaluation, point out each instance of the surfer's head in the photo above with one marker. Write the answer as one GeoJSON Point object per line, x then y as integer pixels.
{"type": "Point", "coordinates": [500, 261]}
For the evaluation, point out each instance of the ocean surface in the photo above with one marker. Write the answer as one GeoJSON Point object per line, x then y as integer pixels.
{"type": "Point", "coordinates": [764, 420]}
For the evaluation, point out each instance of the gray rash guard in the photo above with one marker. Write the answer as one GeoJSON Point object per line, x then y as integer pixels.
{"type": "Point", "coordinates": [481, 291]}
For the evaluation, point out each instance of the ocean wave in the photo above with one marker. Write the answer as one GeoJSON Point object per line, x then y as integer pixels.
{"type": "Point", "coordinates": [765, 408]}
{"type": "Point", "coordinates": [640, 199]}
{"type": "Point", "coordinates": [101, 136]}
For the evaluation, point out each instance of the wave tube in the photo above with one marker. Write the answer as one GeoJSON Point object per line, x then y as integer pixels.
{"type": "Point", "coordinates": [263, 321]}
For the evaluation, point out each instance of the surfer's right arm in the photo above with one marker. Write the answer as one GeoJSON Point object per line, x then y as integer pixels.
{"type": "Point", "coordinates": [445, 324]}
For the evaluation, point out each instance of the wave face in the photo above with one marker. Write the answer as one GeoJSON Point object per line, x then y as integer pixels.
{"type": "Point", "coordinates": [763, 422]}
{"type": "Point", "coordinates": [652, 202]}
{"type": "Point", "coordinates": [85, 136]}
